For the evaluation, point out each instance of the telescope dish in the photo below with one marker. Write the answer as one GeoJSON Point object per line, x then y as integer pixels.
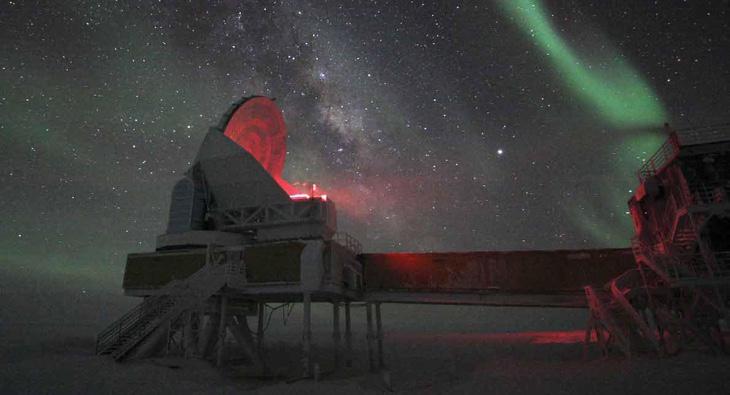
{"type": "Point", "coordinates": [257, 126]}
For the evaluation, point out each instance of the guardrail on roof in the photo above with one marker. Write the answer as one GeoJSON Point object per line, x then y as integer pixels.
{"type": "Point", "coordinates": [683, 137]}
{"type": "Point", "coordinates": [665, 154]}
{"type": "Point", "coordinates": [346, 240]}
{"type": "Point", "coordinates": [704, 134]}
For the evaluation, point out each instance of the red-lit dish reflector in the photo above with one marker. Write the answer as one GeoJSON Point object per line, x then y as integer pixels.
{"type": "Point", "coordinates": [258, 127]}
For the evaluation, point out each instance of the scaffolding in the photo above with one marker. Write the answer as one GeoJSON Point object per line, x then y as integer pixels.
{"type": "Point", "coordinates": [678, 296]}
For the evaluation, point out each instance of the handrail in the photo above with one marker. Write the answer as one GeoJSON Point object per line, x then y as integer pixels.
{"type": "Point", "coordinates": [709, 193]}
{"type": "Point", "coordinates": [126, 321]}
{"type": "Point", "coordinates": [153, 305]}
{"type": "Point", "coordinates": [717, 264]}
{"type": "Point", "coordinates": [602, 313]}
{"type": "Point", "coordinates": [620, 287]}
{"type": "Point", "coordinates": [683, 137]}
{"type": "Point", "coordinates": [272, 214]}
{"type": "Point", "coordinates": [348, 241]}
{"type": "Point", "coordinates": [671, 207]}
{"type": "Point", "coordinates": [649, 252]}
{"type": "Point", "coordinates": [665, 154]}
{"type": "Point", "coordinates": [704, 134]}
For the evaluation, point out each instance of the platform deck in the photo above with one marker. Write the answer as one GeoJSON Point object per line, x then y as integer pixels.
{"type": "Point", "coordinates": [480, 298]}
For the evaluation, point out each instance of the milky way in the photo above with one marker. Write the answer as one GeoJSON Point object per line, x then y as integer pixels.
{"type": "Point", "coordinates": [434, 126]}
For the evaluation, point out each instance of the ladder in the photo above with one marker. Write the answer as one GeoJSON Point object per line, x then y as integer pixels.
{"type": "Point", "coordinates": [179, 296]}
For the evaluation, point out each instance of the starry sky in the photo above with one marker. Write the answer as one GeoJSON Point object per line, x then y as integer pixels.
{"type": "Point", "coordinates": [434, 126]}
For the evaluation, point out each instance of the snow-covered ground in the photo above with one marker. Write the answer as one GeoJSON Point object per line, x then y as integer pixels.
{"type": "Point", "coordinates": [47, 336]}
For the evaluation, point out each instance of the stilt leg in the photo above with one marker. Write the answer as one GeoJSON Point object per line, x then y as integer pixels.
{"type": "Point", "coordinates": [379, 335]}
{"type": "Point", "coordinates": [203, 334]}
{"type": "Point", "coordinates": [336, 331]}
{"type": "Point", "coordinates": [307, 335]}
{"type": "Point", "coordinates": [209, 338]}
{"type": "Point", "coordinates": [222, 331]}
{"type": "Point", "coordinates": [169, 337]}
{"type": "Point", "coordinates": [188, 335]}
{"type": "Point", "coordinates": [348, 336]}
{"type": "Point", "coordinates": [603, 343]}
{"type": "Point", "coordinates": [260, 327]}
{"type": "Point", "coordinates": [370, 336]}
{"type": "Point", "coordinates": [242, 334]}
{"type": "Point", "coordinates": [587, 339]}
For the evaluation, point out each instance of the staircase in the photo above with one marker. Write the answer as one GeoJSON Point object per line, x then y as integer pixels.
{"type": "Point", "coordinates": [606, 315]}
{"type": "Point", "coordinates": [131, 330]}
{"type": "Point", "coordinates": [685, 239]}
{"type": "Point", "coordinates": [623, 289]}
{"type": "Point", "coordinates": [612, 311]}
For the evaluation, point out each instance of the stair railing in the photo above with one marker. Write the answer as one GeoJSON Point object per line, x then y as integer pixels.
{"type": "Point", "coordinates": [152, 304]}
{"type": "Point", "coordinates": [621, 289]}
{"type": "Point", "coordinates": [181, 294]}
{"type": "Point", "coordinates": [115, 330]}
{"type": "Point", "coordinates": [348, 241]}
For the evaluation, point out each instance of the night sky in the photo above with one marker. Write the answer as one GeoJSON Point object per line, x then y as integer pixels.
{"type": "Point", "coordinates": [485, 125]}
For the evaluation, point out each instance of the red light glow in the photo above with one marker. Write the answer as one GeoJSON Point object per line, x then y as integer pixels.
{"type": "Point", "coordinates": [258, 127]}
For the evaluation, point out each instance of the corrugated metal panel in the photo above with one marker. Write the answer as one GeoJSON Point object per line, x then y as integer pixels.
{"type": "Point", "coordinates": [278, 262]}
{"type": "Point", "coordinates": [516, 271]}
{"type": "Point", "coordinates": [273, 263]}
{"type": "Point", "coordinates": [154, 270]}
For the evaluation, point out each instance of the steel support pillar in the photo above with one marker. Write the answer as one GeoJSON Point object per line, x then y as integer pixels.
{"type": "Point", "coordinates": [242, 334]}
{"type": "Point", "coordinates": [348, 336]}
{"type": "Point", "coordinates": [207, 341]}
{"type": "Point", "coordinates": [336, 331]}
{"type": "Point", "coordinates": [222, 327]}
{"type": "Point", "coordinates": [307, 335]}
{"type": "Point", "coordinates": [370, 336]}
{"type": "Point", "coordinates": [190, 334]}
{"type": "Point", "coordinates": [260, 327]}
{"type": "Point", "coordinates": [379, 335]}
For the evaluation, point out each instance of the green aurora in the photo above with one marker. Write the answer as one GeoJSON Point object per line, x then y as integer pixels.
{"type": "Point", "coordinates": [622, 100]}
{"type": "Point", "coordinates": [617, 93]}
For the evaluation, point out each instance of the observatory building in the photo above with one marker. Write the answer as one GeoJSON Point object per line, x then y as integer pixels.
{"type": "Point", "coordinates": [239, 237]}
{"type": "Point", "coordinates": [236, 238]}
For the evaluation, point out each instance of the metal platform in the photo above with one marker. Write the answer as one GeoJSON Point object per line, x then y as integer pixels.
{"type": "Point", "coordinates": [479, 298]}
